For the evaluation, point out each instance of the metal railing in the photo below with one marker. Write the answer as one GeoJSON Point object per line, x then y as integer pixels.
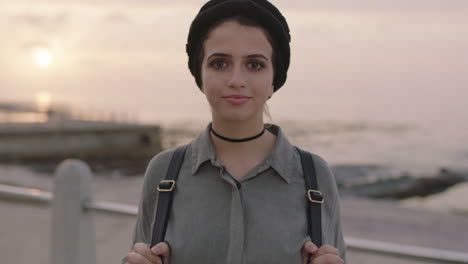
{"type": "Point", "coordinates": [71, 206]}
{"type": "Point", "coordinates": [43, 197]}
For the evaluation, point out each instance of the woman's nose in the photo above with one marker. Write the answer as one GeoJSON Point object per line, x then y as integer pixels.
{"type": "Point", "coordinates": [237, 78]}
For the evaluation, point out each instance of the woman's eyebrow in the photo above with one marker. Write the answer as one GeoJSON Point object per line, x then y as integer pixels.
{"type": "Point", "coordinates": [257, 56]}
{"type": "Point", "coordinates": [219, 54]}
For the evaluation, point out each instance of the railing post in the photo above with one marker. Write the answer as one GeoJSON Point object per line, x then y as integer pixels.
{"type": "Point", "coordinates": [73, 234]}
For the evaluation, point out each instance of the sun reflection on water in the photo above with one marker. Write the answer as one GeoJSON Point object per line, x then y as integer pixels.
{"type": "Point", "coordinates": [43, 100]}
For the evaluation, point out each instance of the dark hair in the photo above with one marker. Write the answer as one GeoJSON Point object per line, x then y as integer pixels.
{"type": "Point", "coordinates": [242, 20]}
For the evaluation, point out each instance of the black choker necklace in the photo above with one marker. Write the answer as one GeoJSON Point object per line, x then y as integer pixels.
{"type": "Point", "coordinates": [236, 140]}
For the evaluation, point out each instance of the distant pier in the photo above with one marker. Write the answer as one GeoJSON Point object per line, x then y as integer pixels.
{"type": "Point", "coordinates": [56, 135]}
{"type": "Point", "coordinates": [79, 140]}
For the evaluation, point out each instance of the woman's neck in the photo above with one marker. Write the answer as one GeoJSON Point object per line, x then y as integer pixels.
{"type": "Point", "coordinates": [237, 130]}
{"type": "Point", "coordinates": [256, 149]}
{"type": "Point", "coordinates": [240, 157]}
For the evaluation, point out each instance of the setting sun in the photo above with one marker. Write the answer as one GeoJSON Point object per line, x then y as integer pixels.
{"type": "Point", "coordinates": [43, 57]}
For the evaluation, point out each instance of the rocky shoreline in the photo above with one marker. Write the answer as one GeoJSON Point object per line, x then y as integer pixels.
{"type": "Point", "coordinates": [387, 183]}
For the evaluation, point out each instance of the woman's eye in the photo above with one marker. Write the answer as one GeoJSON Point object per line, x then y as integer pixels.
{"type": "Point", "coordinates": [256, 65]}
{"type": "Point", "coordinates": [218, 64]}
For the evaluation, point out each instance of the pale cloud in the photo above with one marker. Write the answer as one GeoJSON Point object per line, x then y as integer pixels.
{"type": "Point", "coordinates": [358, 5]}
{"type": "Point", "coordinates": [42, 21]}
{"type": "Point", "coordinates": [30, 45]}
{"type": "Point", "coordinates": [118, 17]}
{"type": "Point", "coordinates": [379, 6]}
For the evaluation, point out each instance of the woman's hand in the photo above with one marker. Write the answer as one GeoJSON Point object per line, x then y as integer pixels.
{"type": "Point", "coordinates": [142, 254]}
{"type": "Point", "coordinates": [326, 254]}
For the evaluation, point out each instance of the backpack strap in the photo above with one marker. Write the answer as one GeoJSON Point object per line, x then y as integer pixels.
{"type": "Point", "coordinates": [314, 197]}
{"type": "Point", "coordinates": [166, 193]}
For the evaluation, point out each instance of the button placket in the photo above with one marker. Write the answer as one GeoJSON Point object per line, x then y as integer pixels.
{"type": "Point", "coordinates": [236, 223]}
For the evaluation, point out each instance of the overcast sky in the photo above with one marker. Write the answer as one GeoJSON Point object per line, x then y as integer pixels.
{"type": "Point", "coordinates": [130, 54]}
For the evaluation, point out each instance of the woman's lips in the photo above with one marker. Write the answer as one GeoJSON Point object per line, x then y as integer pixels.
{"type": "Point", "coordinates": [236, 99]}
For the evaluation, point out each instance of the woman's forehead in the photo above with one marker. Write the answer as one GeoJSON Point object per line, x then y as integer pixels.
{"type": "Point", "coordinates": [232, 38]}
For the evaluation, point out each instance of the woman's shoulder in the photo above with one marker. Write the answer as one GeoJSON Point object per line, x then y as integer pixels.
{"type": "Point", "coordinates": [158, 165]}
{"type": "Point", "coordinates": [319, 162]}
{"type": "Point", "coordinates": [163, 158]}
{"type": "Point", "coordinates": [326, 181]}
{"type": "Point", "coordinates": [322, 169]}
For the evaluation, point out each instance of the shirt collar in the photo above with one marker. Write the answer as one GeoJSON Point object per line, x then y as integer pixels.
{"type": "Point", "coordinates": [282, 158]}
{"type": "Point", "coordinates": [202, 150]}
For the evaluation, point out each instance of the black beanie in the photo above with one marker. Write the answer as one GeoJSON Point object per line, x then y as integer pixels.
{"type": "Point", "coordinates": [260, 11]}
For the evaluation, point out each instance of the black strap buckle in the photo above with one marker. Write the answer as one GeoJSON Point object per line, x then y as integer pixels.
{"type": "Point", "coordinates": [315, 196]}
{"type": "Point", "coordinates": [166, 186]}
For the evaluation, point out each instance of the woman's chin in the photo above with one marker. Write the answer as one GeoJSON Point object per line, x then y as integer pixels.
{"type": "Point", "coordinates": [234, 116]}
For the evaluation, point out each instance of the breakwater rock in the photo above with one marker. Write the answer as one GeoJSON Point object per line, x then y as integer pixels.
{"type": "Point", "coordinates": [387, 183]}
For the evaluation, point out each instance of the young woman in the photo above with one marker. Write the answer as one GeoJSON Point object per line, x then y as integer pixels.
{"type": "Point", "coordinates": [240, 195]}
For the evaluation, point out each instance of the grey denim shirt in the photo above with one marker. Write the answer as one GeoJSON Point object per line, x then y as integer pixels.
{"type": "Point", "coordinates": [261, 219]}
